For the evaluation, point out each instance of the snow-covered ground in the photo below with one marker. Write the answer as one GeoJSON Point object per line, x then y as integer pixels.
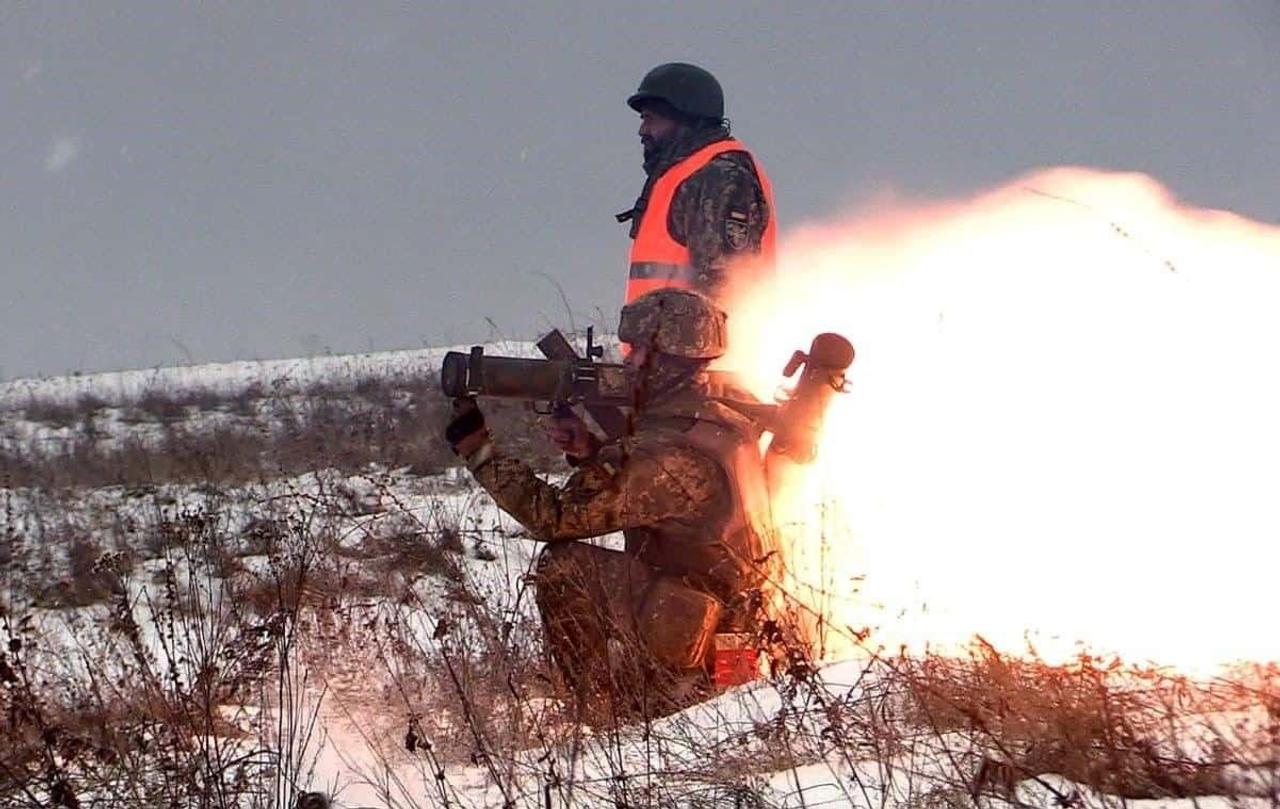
{"type": "Point", "coordinates": [413, 661]}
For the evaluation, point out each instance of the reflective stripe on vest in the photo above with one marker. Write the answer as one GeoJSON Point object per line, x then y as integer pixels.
{"type": "Point", "coordinates": [657, 259]}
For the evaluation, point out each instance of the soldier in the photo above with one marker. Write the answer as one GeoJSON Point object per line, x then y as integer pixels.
{"type": "Point", "coordinates": [632, 630]}
{"type": "Point", "coordinates": [706, 202]}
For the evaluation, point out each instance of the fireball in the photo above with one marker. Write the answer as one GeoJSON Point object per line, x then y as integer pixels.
{"type": "Point", "coordinates": [1061, 429]}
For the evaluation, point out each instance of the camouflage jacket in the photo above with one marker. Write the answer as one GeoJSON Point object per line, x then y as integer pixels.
{"type": "Point", "coordinates": [650, 485]}
{"type": "Point", "coordinates": [718, 213]}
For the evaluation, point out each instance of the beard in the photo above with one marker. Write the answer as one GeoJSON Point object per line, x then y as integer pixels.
{"type": "Point", "coordinates": [652, 150]}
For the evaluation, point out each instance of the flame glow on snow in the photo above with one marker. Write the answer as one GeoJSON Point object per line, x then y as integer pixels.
{"type": "Point", "coordinates": [1063, 422]}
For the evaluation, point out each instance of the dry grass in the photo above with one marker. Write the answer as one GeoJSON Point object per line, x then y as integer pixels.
{"type": "Point", "coordinates": [206, 613]}
{"type": "Point", "coordinates": [154, 702]}
{"type": "Point", "coordinates": [54, 414]}
{"type": "Point", "coordinates": [463, 682]}
{"type": "Point", "coordinates": [346, 428]}
{"type": "Point", "coordinates": [1127, 731]}
{"type": "Point", "coordinates": [146, 708]}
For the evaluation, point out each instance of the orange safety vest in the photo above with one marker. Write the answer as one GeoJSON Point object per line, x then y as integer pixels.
{"type": "Point", "coordinates": [657, 259]}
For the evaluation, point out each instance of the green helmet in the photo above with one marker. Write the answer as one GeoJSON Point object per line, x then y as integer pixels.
{"type": "Point", "coordinates": [687, 88]}
{"type": "Point", "coordinates": [676, 322]}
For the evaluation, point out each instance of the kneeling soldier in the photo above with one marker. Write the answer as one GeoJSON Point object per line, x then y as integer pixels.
{"type": "Point", "coordinates": [632, 631]}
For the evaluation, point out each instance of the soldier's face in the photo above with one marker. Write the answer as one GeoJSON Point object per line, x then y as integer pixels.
{"type": "Point", "coordinates": [656, 130]}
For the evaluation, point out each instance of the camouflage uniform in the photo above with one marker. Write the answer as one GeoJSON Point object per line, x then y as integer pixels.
{"type": "Point", "coordinates": [718, 213]}
{"type": "Point", "coordinates": [671, 497]}
{"type": "Point", "coordinates": [685, 488]}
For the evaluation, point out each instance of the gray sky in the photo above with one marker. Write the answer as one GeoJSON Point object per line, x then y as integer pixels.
{"type": "Point", "coordinates": [187, 182]}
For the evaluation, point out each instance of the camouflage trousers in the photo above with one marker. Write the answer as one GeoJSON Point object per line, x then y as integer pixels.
{"type": "Point", "coordinates": [624, 636]}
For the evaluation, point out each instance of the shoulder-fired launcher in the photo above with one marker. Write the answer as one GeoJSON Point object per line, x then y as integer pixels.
{"type": "Point", "coordinates": [562, 378]}
{"type": "Point", "coordinates": [567, 381]}
{"type": "Point", "coordinates": [480, 374]}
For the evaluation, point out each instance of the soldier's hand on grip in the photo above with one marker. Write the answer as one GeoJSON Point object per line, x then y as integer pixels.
{"type": "Point", "coordinates": [571, 436]}
{"type": "Point", "coordinates": [466, 431]}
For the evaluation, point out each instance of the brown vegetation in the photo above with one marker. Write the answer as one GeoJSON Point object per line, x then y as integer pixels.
{"type": "Point", "coordinates": [346, 428]}
{"type": "Point", "coordinates": [187, 682]}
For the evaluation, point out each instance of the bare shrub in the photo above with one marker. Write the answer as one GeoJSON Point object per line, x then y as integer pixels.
{"type": "Point", "coordinates": [157, 405]}
{"type": "Point", "coordinates": [348, 428]}
{"type": "Point", "coordinates": [244, 403]}
{"type": "Point", "coordinates": [86, 581]}
{"type": "Point", "coordinates": [52, 413]}
{"type": "Point", "coordinates": [420, 554]}
{"type": "Point", "coordinates": [349, 437]}
{"type": "Point", "coordinates": [88, 404]}
{"type": "Point", "coordinates": [1121, 729]}
{"type": "Point", "coordinates": [205, 400]}
{"type": "Point", "coordinates": [263, 535]}
{"type": "Point", "coordinates": [167, 406]}
{"type": "Point", "coordinates": [158, 718]}
{"type": "Point", "coordinates": [219, 455]}
{"type": "Point", "coordinates": [377, 391]}
{"type": "Point", "coordinates": [18, 469]}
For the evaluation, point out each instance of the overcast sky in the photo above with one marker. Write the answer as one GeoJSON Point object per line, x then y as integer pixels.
{"type": "Point", "coordinates": [186, 182]}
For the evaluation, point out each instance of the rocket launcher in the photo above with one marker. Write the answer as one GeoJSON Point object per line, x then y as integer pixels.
{"type": "Point", "coordinates": [598, 391]}
{"type": "Point", "coordinates": [564, 378]}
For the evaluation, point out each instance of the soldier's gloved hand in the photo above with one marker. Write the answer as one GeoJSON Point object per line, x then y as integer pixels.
{"type": "Point", "coordinates": [466, 431]}
{"type": "Point", "coordinates": [571, 436]}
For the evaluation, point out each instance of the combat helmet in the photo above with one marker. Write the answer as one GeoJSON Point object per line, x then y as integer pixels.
{"type": "Point", "coordinates": [687, 88]}
{"type": "Point", "coordinates": [677, 322]}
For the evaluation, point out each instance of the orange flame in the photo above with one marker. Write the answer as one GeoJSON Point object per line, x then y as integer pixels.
{"type": "Point", "coordinates": [1063, 425]}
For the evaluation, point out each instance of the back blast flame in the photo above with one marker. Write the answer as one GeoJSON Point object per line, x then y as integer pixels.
{"type": "Point", "coordinates": [1061, 429]}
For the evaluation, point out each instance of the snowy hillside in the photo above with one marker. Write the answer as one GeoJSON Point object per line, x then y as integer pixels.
{"type": "Point", "coordinates": [282, 377]}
